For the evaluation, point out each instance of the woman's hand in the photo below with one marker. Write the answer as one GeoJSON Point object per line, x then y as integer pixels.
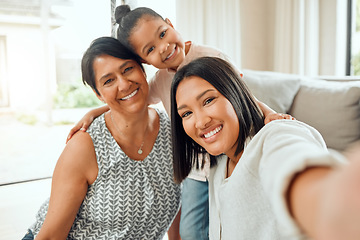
{"type": "Point", "coordinates": [339, 212]}
{"type": "Point", "coordinates": [275, 116]}
{"type": "Point", "coordinates": [326, 202]}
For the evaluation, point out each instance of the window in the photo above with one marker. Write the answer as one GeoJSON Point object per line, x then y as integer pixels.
{"type": "Point", "coordinates": [353, 65]}
{"type": "Point", "coordinates": [4, 100]}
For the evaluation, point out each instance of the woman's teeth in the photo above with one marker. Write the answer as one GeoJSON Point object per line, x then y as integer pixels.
{"type": "Point", "coordinates": [130, 95]}
{"type": "Point", "coordinates": [213, 132]}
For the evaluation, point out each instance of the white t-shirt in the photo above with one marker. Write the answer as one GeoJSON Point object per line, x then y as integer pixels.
{"type": "Point", "coordinates": [251, 203]}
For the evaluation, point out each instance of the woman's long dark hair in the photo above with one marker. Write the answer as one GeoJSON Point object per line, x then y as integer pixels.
{"type": "Point", "coordinates": [220, 74]}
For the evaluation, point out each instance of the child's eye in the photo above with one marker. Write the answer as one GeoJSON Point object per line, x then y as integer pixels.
{"type": "Point", "coordinates": [150, 50]}
{"type": "Point", "coordinates": [208, 100]}
{"type": "Point", "coordinates": [162, 34]}
{"type": "Point", "coordinates": [185, 114]}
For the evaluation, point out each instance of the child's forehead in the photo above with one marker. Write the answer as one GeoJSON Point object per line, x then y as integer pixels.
{"type": "Point", "coordinates": [150, 25]}
{"type": "Point", "coordinates": [150, 19]}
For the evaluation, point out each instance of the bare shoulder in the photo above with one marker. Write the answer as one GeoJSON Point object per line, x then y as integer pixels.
{"type": "Point", "coordinates": [79, 158]}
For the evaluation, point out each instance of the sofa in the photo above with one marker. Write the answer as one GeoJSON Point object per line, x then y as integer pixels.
{"type": "Point", "coordinates": [330, 105]}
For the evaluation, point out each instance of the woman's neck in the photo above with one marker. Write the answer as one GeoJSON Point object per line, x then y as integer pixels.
{"type": "Point", "coordinates": [231, 163]}
{"type": "Point", "coordinates": [129, 125]}
{"type": "Point", "coordinates": [135, 134]}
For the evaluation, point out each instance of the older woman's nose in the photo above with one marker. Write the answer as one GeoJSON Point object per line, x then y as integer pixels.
{"type": "Point", "coordinates": [123, 84]}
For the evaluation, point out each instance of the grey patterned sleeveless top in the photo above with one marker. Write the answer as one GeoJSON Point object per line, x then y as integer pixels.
{"type": "Point", "coordinates": [129, 199]}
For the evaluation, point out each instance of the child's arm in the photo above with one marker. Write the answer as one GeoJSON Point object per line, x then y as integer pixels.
{"type": "Point", "coordinates": [88, 118]}
{"type": "Point", "coordinates": [326, 202]}
{"type": "Point", "coordinates": [270, 114]}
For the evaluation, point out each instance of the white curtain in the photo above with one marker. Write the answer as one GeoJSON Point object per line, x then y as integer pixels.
{"type": "Point", "coordinates": [306, 37]}
{"type": "Point", "coordinates": [310, 37]}
{"type": "Point", "coordinates": [296, 37]}
{"type": "Point", "coordinates": [211, 22]}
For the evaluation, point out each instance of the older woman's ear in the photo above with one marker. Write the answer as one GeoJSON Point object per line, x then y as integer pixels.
{"type": "Point", "coordinates": [99, 96]}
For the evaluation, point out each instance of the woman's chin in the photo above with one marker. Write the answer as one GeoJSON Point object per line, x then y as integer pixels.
{"type": "Point", "coordinates": [214, 152]}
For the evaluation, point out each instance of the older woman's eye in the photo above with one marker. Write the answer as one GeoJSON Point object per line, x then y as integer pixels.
{"type": "Point", "coordinates": [108, 81]}
{"type": "Point", "coordinates": [128, 69]}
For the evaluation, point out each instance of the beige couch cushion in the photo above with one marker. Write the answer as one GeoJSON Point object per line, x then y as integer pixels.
{"type": "Point", "coordinates": [332, 107]}
{"type": "Point", "coordinates": [277, 90]}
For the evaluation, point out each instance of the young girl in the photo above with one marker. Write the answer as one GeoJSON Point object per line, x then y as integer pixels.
{"type": "Point", "coordinates": [274, 181]}
{"type": "Point", "coordinates": [157, 43]}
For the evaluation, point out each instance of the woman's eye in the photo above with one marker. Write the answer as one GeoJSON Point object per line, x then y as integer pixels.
{"type": "Point", "coordinates": [185, 114]}
{"type": "Point", "coordinates": [162, 34]}
{"type": "Point", "coordinates": [209, 100]}
{"type": "Point", "coordinates": [128, 69]}
{"type": "Point", "coordinates": [108, 81]}
{"type": "Point", "coordinates": [150, 50]}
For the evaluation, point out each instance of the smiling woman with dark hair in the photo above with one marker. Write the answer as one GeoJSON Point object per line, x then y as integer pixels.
{"type": "Point", "coordinates": [114, 181]}
{"type": "Point", "coordinates": [273, 181]}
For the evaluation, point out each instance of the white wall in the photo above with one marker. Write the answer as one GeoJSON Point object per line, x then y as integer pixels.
{"type": "Point", "coordinates": [257, 28]}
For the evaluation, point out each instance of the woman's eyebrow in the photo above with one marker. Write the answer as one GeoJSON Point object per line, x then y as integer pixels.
{"type": "Point", "coordinates": [109, 74]}
{"type": "Point", "coordinates": [197, 98]}
{"type": "Point", "coordinates": [203, 93]}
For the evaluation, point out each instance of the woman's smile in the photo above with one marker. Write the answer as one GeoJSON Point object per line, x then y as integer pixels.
{"type": "Point", "coordinates": [212, 133]}
{"type": "Point", "coordinates": [130, 95]}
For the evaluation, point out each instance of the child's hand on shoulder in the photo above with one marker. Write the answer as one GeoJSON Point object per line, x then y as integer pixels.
{"type": "Point", "coordinates": [276, 116]}
{"type": "Point", "coordinates": [82, 125]}
{"type": "Point", "coordinates": [85, 122]}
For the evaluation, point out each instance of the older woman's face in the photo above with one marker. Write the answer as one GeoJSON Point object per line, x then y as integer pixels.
{"type": "Point", "coordinates": [121, 83]}
{"type": "Point", "coordinates": [207, 116]}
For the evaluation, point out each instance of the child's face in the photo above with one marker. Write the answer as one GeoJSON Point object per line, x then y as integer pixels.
{"type": "Point", "coordinates": [207, 116]}
{"type": "Point", "coordinates": [157, 43]}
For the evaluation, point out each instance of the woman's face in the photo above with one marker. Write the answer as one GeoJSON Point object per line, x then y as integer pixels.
{"type": "Point", "coordinates": [207, 116]}
{"type": "Point", "coordinates": [121, 83]}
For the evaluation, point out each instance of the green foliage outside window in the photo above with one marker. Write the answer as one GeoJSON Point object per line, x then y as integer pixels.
{"type": "Point", "coordinates": [355, 60]}
{"type": "Point", "coordinates": [75, 95]}
{"type": "Point", "coordinates": [356, 64]}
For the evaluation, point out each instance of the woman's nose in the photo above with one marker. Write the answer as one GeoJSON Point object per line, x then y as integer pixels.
{"type": "Point", "coordinates": [202, 121]}
{"type": "Point", "coordinates": [123, 84]}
